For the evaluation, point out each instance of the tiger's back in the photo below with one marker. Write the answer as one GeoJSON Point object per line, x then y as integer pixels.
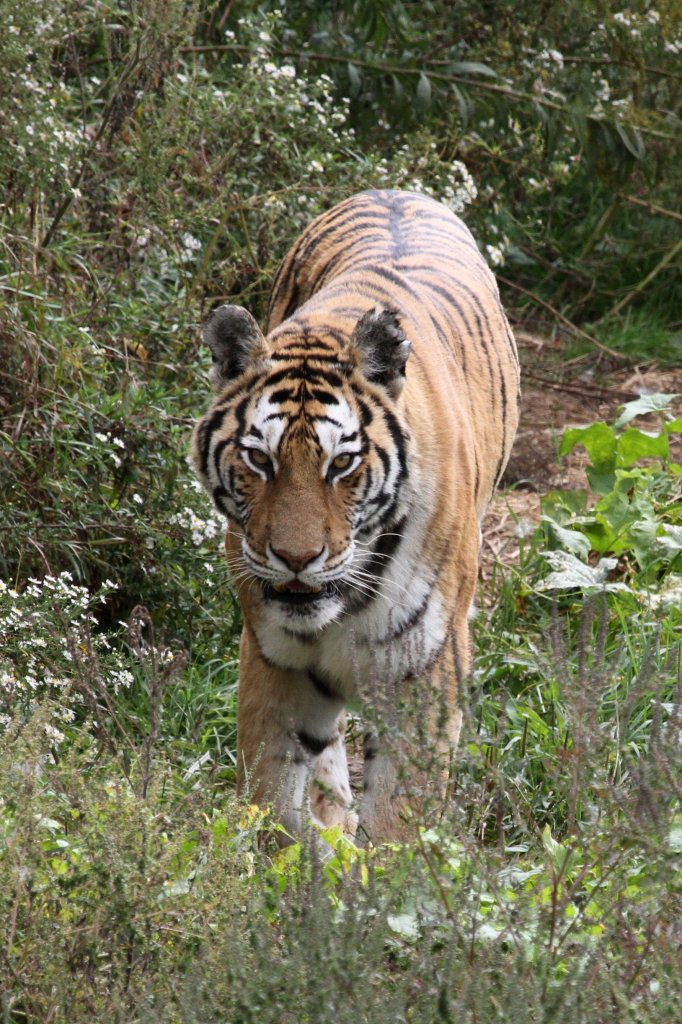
{"type": "Point", "coordinates": [406, 250]}
{"type": "Point", "coordinates": [354, 451]}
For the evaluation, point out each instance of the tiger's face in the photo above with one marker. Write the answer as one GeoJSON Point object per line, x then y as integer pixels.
{"type": "Point", "coordinates": [304, 452]}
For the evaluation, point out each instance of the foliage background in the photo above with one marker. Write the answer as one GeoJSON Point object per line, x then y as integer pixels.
{"type": "Point", "coordinates": [157, 157]}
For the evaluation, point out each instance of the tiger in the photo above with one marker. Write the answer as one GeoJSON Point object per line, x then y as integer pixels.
{"type": "Point", "coordinates": [353, 449]}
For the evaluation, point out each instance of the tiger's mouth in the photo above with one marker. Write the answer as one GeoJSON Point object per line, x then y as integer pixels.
{"type": "Point", "coordinates": [298, 593]}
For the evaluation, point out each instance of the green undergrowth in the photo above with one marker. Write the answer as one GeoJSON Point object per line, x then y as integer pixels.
{"type": "Point", "coordinates": [136, 887]}
{"type": "Point", "coordinates": [160, 157]}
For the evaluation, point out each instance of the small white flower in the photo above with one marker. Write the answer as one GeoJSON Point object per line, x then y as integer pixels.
{"type": "Point", "coordinates": [495, 255]}
{"type": "Point", "coordinates": [138, 499]}
{"type": "Point", "coordinates": [190, 242]}
{"type": "Point", "coordinates": [54, 734]}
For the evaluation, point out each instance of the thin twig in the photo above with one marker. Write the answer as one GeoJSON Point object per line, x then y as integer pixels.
{"type": "Point", "coordinates": [564, 319]}
{"type": "Point", "coordinates": [623, 64]}
{"type": "Point", "coordinates": [397, 69]}
{"type": "Point", "coordinates": [653, 207]}
{"type": "Point", "coordinates": [106, 117]}
{"type": "Point", "coordinates": [661, 265]}
{"type": "Point", "coordinates": [593, 390]}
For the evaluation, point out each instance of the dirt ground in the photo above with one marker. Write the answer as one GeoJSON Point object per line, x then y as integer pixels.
{"type": "Point", "coordinates": [556, 394]}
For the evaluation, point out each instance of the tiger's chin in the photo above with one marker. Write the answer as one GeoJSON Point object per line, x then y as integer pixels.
{"type": "Point", "coordinates": [301, 609]}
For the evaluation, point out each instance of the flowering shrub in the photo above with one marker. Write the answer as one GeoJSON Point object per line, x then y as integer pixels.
{"type": "Point", "coordinates": [39, 134]}
{"type": "Point", "coordinates": [48, 641]}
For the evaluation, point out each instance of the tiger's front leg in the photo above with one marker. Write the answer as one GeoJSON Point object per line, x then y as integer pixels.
{"type": "Point", "coordinates": [289, 736]}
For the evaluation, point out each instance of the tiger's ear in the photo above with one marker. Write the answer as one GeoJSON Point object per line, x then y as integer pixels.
{"type": "Point", "coordinates": [382, 349]}
{"type": "Point", "coordinates": [235, 340]}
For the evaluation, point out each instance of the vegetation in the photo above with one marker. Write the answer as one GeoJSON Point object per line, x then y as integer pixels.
{"type": "Point", "coordinates": [157, 157]}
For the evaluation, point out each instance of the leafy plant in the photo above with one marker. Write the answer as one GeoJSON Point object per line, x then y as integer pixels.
{"type": "Point", "coordinates": [639, 508]}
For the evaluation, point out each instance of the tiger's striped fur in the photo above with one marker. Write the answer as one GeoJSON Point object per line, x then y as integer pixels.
{"type": "Point", "coordinates": [354, 451]}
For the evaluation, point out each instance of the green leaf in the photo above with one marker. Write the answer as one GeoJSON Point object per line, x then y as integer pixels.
{"type": "Point", "coordinates": [355, 79]}
{"type": "Point", "coordinates": [635, 444]}
{"type": "Point", "coordinates": [572, 540]}
{"type": "Point", "coordinates": [405, 925]}
{"type": "Point", "coordinates": [645, 542]}
{"type": "Point", "coordinates": [643, 405]}
{"type": "Point", "coordinates": [471, 67]}
{"type": "Point", "coordinates": [464, 103]}
{"type": "Point", "coordinates": [599, 441]}
{"type": "Point", "coordinates": [423, 92]}
{"type": "Point", "coordinates": [572, 574]}
{"type": "Point", "coordinates": [634, 145]}
{"type": "Point", "coordinates": [562, 505]}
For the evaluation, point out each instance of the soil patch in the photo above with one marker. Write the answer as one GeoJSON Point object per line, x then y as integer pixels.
{"type": "Point", "coordinates": [557, 393]}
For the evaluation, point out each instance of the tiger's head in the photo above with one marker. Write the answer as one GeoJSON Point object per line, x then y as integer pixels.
{"type": "Point", "coordinates": [304, 450]}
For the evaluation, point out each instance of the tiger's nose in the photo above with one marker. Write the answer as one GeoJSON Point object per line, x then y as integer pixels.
{"type": "Point", "coordinates": [297, 560]}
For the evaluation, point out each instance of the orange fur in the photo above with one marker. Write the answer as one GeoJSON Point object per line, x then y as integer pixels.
{"type": "Point", "coordinates": [354, 451]}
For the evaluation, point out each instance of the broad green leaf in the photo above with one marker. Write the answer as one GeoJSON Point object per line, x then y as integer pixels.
{"type": "Point", "coordinates": [599, 441]}
{"type": "Point", "coordinates": [635, 444]}
{"type": "Point", "coordinates": [572, 574]}
{"type": "Point", "coordinates": [619, 510]}
{"type": "Point", "coordinates": [601, 479]}
{"type": "Point", "coordinates": [645, 543]}
{"type": "Point", "coordinates": [405, 925]}
{"type": "Point", "coordinates": [643, 405]}
{"type": "Point", "coordinates": [672, 536]}
{"type": "Point", "coordinates": [562, 505]}
{"type": "Point", "coordinates": [572, 540]}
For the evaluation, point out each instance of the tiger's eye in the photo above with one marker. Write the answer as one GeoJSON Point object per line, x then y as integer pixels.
{"type": "Point", "coordinates": [259, 457]}
{"type": "Point", "coordinates": [342, 461]}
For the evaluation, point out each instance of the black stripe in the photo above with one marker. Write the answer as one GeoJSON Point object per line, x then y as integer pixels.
{"type": "Point", "coordinates": [209, 425]}
{"type": "Point", "coordinates": [324, 397]}
{"type": "Point", "coordinates": [313, 744]}
{"type": "Point", "coordinates": [283, 395]}
{"type": "Point", "coordinates": [366, 413]}
{"type": "Point", "coordinates": [303, 353]}
{"type": "Point", "coordinates": [323, 687]}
